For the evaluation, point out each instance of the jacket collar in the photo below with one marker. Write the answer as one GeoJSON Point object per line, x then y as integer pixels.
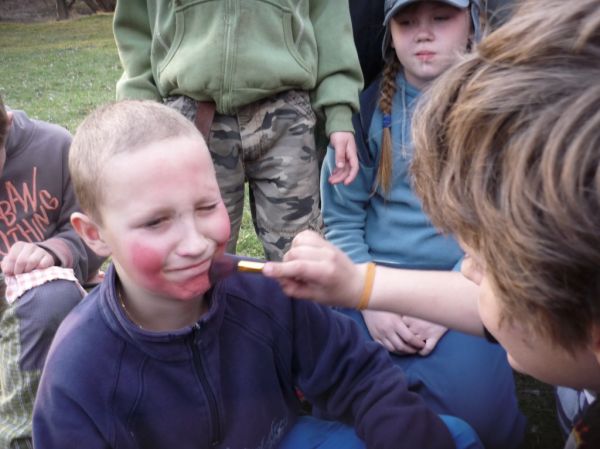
{"type": "Point", "coordinates": [169, 346]}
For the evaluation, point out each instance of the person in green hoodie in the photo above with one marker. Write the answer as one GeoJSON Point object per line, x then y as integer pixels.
{"type": "Point", "coordinates": [253, 76]}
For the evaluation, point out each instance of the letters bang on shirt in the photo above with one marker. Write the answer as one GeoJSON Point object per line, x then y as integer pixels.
{"type": "Point", "coordinates": [24, 212]}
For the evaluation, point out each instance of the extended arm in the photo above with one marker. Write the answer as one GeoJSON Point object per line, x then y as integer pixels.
{"type": "Point", "coordinates": [317, 270]}
{"type": "Point", "coordinates": [339, 81]}
{"type": "Point", "coordinates": [344, 209]}
{"type": "Point", "coordinates": [339, 78]}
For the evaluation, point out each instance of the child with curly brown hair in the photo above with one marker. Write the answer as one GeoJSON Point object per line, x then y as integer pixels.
{"type": "Point", "coordinates": [507, 158]}
{"type": "Point", "coordinates": [379, 218]}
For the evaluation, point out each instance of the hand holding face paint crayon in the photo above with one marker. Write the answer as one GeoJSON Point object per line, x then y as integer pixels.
{"type": "Point", "coordinates": [227, 264]}
{"type": "Point", "coordinates": [312, 269]}
{"type": "Point", "coordinates": [315, 269]}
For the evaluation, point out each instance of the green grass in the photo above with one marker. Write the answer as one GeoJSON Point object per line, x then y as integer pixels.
{"type": "Point", "coordinates": [248, 244]}
{"type": "Point", "coordinates": [537, 403]}
{"type": "Point", "coordinates": [59, 71]}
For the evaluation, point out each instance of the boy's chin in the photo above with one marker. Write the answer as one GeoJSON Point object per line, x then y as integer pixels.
{"type": "Point", "coordinates": [191, 290]}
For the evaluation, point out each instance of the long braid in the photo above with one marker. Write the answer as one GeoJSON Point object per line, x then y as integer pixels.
{"type": "Point", "coordinates": [386, 96]}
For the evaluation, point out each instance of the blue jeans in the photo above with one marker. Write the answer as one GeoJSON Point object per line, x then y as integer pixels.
{"type": "Point", "coordinates": [313, 433]}
{"type": "Point", "coordinates": [467, 377]}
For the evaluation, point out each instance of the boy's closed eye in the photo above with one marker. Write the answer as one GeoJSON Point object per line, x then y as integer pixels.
{"type": "Point", "coordinates": [206, 208]}
{"type": "Point", "coordinates": [159, 221]}
{"type": "Point", "coordinates": [155, 223]}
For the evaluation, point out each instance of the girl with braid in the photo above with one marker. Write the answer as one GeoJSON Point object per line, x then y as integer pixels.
{"type": "Point", "coordinates": [378, 218]}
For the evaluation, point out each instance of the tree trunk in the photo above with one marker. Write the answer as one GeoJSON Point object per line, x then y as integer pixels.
{"type": "Point", "coordinates": [106, 5]}
{"type": "Point", "coordinates": [62, 10]}
{"type": "Point", "coordinates": [92, 5]}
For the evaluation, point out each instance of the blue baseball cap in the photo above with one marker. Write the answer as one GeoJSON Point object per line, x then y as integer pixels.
{"type": "Point", "coordinates": [391, 7]}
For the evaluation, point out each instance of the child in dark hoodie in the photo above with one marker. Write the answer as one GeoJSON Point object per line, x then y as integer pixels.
{"type": "Point", "coordinates": [36, 201]}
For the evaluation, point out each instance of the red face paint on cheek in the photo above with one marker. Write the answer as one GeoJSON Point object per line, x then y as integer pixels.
{"type": "Point", "coordinates": [147, 269]}
{"type": "Point", "coordinates": [223, 225]}
{"type": "Point", "coordinates": [146, 262]}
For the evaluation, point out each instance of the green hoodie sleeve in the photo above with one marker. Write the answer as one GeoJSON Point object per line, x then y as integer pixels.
{"type": "Point", "coordinates": [133, 36]}
{"type": "Point", "coordinates": [339, 78]}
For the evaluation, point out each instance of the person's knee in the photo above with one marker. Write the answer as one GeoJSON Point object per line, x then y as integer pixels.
{"type": "Point", "coordinates": [463, 434]}
{"type": "Point", "coordinates": [39, 312]}
{"type": "Point", "coordinates": [479, 388]}
{"type": "Point", "coordinates": [48, 304]}
{"type": "Point", "coordinates": [310, 432]}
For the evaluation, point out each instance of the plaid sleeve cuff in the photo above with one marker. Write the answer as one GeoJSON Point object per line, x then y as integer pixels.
{"type": "Point", "coordinates": [20, 283]}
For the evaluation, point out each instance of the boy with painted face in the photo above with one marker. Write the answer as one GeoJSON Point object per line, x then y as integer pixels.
{"type": "Point", "coordinates": [507, 158]}
{"type": "Point", "coordinates": [157, 357]}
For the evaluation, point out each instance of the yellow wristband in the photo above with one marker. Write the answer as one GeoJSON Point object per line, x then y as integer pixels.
{"type": "Point", "coordinates": [368, 287]}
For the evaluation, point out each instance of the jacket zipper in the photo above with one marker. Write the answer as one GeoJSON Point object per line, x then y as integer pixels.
{"type": "Point", "coordinates": [210, 395]}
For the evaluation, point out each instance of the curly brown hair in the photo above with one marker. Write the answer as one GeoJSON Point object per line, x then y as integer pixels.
{"type": "Point", "coordinates": [507, 158]}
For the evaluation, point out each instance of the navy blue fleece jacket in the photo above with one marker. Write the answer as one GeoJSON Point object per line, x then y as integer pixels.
{"type": "Point", "coordinates": [226, 382]}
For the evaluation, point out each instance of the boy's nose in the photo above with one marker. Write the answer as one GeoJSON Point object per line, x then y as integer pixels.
{"type": "Point", "coordinates": [192, 242]}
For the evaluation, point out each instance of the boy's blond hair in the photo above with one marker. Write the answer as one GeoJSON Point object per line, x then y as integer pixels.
{"type": "Point", "coordinates": [116, 128]}
{"type": "Point", "coordinates": [508, 159]}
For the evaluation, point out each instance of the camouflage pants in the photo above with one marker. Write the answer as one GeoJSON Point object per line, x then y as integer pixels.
{"type": "Point", "coordinates": [270, 144]}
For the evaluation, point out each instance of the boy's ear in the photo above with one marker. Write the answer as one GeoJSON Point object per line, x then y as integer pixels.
{"type": "Point", "coordinates": [89, 231]}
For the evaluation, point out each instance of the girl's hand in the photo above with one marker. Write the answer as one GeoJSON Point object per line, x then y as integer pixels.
{"type": "Point", "coordinates": [390, 331]}
{"type": "Point", "coordinates": [426, 331]}
{"type": "Point", "coordinates": [346, 160]}
{"type": "Point", "coordinates": [25, 257]}
{"type": "Point", "coordinates": [315, 269]}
